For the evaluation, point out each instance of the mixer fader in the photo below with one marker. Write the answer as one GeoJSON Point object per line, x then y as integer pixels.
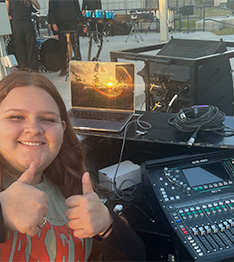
{"type": "Point", "coordinates": [196, 196]}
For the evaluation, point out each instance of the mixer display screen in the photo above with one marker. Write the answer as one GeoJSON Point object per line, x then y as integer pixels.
{"type": "Point", "coordinates": [205, 174]}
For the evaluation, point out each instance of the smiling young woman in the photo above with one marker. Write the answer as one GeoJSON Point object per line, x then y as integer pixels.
{"type": "Point", "coordinates": [46, 193]}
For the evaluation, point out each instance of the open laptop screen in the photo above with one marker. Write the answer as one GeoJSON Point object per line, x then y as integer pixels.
{"type": "Point", "coordinates": [102, 85]}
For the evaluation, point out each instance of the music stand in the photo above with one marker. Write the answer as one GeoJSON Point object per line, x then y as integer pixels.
{"type": "Point", "coordinates": [134, 29]}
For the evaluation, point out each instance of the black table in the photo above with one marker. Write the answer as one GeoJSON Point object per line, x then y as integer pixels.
{"type": "Point", "coordinates": [163, 133]}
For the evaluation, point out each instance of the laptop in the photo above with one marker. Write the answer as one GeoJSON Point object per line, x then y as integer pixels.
{"type": "Point", "coordinates": [102, 93]}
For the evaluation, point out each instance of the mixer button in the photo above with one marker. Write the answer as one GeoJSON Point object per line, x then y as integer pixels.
{"type": "Point", "coordinates": [215, 185]}
{"type": "Point", "coordinates": [186, 210]}
{"type": "Point", "coordinates": [215, 204]}
{"type": "Point", "coordinates": [170, 207]}
{"type": "Point", "coordinates": [209, 205]}
{"type": "Point", "coordinates": [226, 224]}
{"type": "Point", "coordinates": [232, 200]}
{"type": "Point", "coordinates": [162, 189]}
{"type": "Point", "coordinates": [172, 198]}
{"type": "Point", "coordinates": [220, 203]}
{"type": "Point", "coordinates": [214, 228]}
{"type": "Point", "coordinates": [210, 186]}
{"type": "Point", "coordinates": [197, 208]}
{"type": "Point", "coordinates": [208, 229]}
{"type": "Point", "coordinates": [202, 231]}
{"type": "Point", "coordinates": [220, 184]}
{"type": "Point", "coordinates": [231, 222]}
{"type": "Point", "coordinates": [198, 250]}
{"type": "Point", "coordinates": [177, 197]}
{"type": "Point", "coordinates": [200, 254]}
{"type": "Point", "coordinates": [225, 183]}
{"type": "Point", "coordinates": [195, 232]}
{"type": "Point", "coordinates": [230, 182]}
{"type": "Point", "coordinates": [227, 201]}
{"type": "Point", "coordinates": [222, 228]}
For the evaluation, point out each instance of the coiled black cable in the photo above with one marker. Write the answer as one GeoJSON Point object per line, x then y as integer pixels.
{"type": "Point", "coordinates": [200, 118]}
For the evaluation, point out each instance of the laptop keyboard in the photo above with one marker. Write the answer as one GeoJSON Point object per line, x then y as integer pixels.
{"type": "Point", "coordinates": [99, 115]}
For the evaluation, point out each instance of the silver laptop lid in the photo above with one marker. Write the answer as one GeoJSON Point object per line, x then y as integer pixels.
{"type": "Point", "coordinates": [102, 85]}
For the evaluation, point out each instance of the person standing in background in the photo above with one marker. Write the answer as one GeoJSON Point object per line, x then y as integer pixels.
{"type": "Point", "coordinates": [23, 32]}
{"type": "Point", "coordinates": [64, 16]}
{"type": "Point", "coordinates": [91, 4]}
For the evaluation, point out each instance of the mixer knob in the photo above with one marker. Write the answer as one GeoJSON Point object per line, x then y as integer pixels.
{"type": "Point", "coordinates": [231, 222]}
{"type": "Point", "coordinates": [214, 228]}
{"type": "Point", "coordinates": [222, 228]}
{"type": "Point", "coordinates": [181, 184]}
{"type": "Point", "coordinates": [188, 190]}
{"type": "Point", "coordinates": [202, 231]}
{"type": "Point", "coordinates": [195, 232]}
{"type": "Point", "coordinates": [226, 224]}
{"type": "Point", "coordinates": [173, 180]}
{"type": "Point", "coordinates": [208, 229]}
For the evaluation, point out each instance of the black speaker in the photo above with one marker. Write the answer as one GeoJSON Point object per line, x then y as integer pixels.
{"type": "Point", "coordinates": [210, 83]}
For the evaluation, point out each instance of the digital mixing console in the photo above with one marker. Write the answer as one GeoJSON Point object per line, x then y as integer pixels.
{"type": "Point", "coordinates": [196, 196]}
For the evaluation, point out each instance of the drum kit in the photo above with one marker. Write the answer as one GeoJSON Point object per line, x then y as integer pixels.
{"type": "Point", "coordinates": [48, 53]}
{"type": "Point", "coordinates": [48, 46]}
{"type": "Point", "coordinates": [99, 16]}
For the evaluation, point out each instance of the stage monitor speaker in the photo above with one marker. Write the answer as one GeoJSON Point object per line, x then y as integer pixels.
{"type": "Point", "coordinates": [213, 84]}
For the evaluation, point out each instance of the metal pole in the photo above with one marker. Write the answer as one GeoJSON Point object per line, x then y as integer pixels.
{"type": "Point", "coordinates": [163, 11]}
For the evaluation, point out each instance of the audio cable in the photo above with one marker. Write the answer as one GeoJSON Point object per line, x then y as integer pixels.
{"type": "Point", "coordinates": [200, 118]}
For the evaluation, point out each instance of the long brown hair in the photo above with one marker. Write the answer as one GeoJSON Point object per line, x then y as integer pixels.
{"type": "Point", "coordinates": [68, 167]}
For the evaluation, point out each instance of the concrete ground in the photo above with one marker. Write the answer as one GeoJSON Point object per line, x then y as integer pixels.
{"type": "Point", "coordinates": [118, 42]}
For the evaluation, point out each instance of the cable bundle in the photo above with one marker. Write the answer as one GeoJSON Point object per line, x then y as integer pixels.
{"type": "Point", "coordinates": [200, 117]}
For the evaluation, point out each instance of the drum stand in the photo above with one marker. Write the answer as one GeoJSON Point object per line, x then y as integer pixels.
{"type": "Point", "coordinates": [96, 37]}
{"type": "Point", "coordinates": [135, 31]}
{"type": "Point", "coordinates": [70, 48]}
